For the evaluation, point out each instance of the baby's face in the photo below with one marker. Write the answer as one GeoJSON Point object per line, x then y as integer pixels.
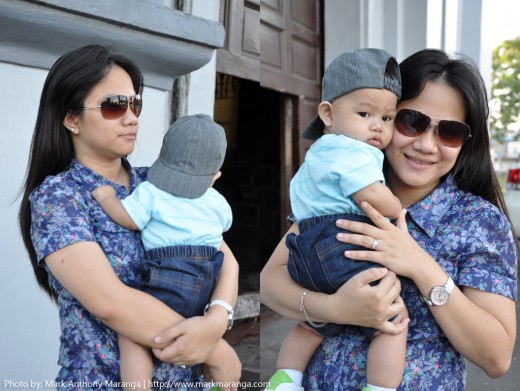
{"type": "Point", "coordinates": [366, 115]}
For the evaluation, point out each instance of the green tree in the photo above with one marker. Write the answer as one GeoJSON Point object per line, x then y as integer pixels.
{"type": "Point", "coordinates": [505, 91]}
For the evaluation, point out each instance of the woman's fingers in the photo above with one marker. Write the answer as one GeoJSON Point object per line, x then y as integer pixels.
{"type": "Point", "coordinates": [193, 340]}
{"type": "Point", "coordinates": [169, 335]}
{"type": "Point", "coordinates": [366, 277]}
{"type": "Point", "coordinates": [395, 328]}
{"type": "Point", "coordinates": [400, 222]}
{"type": "Point", "coordinates": [377, 218]}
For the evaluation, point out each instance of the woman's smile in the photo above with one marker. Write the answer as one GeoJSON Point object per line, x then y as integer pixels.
{"type": "Point", "coordinates": [419, 163]}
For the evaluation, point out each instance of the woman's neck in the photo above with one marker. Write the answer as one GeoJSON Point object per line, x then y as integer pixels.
{"type": "Point", "coordinates": [408, 195]}
{"type": "Point", "coordinates": [113, 170]}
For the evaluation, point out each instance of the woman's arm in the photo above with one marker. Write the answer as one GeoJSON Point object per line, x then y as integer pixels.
{"type": "Point", "coordinates": [356, 302]}
{"type": "Point", "coordinates": [83, 269]}
{"type": "Point", "coordinates": [480, 325]}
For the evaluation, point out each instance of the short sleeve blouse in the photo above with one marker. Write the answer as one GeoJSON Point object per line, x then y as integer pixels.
{"type": "Point", "coordinates": [63, 213]}
{"type": "Point", "coordinates": [472, 241]}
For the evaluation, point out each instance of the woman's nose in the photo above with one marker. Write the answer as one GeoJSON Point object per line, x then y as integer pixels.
{"type": "Point", "coordinates": [428, 141]}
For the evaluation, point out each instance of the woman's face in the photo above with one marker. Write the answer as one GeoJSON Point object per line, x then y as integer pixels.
{"type": "Point", "coordinates": [99, 139]}
{"type": "Point", "coordinates": [418, 163]}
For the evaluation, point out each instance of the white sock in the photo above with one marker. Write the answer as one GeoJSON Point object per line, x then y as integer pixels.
{"type": "Point", "coordinates": [296, 376]}
{"type": "Point", "coordinates": [376, 388]}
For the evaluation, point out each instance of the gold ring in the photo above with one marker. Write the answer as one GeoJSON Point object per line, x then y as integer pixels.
{"type": "Point", "coordinates": [374, 244]}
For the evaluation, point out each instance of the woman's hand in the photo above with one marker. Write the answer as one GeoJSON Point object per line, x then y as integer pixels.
{"type": "Point", "coordinates": [191, 341]}
{"type": "Point", "coordinates": [394, 248]}
{"type": "Point", "coordinates": [372, 306]}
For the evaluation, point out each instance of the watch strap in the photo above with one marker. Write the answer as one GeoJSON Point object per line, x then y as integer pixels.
{"type": "Point", "coordinates": [224, 305]}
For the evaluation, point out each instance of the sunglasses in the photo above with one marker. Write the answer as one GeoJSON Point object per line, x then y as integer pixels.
{"type": "Point", "coordinates": [412, 123]}
{"type": "Point", "coordinates": [115, 106]}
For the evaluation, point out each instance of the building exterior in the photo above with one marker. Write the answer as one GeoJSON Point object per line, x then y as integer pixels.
{"type": "Point", "coordinates": [255, 66]}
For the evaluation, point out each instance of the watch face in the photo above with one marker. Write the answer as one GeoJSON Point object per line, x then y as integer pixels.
{"type": "Point", "coordinates": [439, 295]}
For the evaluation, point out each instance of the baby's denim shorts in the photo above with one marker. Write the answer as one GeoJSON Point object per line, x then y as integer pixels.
{"type": "Point", "coordinates": [183, 277]}
{"type": "Point", "coordinates": [317, 261]}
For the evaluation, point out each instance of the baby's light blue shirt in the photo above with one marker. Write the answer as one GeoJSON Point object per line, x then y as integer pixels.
{"type": "Point", "coordinates": [167, 220]}
{"type": "Point", "coordinates": [335, 167]}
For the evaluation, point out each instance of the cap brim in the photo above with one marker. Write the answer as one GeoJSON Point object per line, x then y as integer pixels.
{"type": "Point", "coordinates": [314, 130]}
{"type": "Point", "coordinates": [178, 183]}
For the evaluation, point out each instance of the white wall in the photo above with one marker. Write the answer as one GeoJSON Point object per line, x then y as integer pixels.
{"type": "Point", "coordinates": [29, 326]}
{"type": "Point", "coordinates": [398, 26]}
{"type": "Point", "coordinates": [201, 98]}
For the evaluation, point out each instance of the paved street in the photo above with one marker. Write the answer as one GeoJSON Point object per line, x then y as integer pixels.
{"type": "Point", "coordinates": [273, 329]}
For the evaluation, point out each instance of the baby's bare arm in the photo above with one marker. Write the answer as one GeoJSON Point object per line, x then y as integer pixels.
{"type": "Point", "coordinates": [224, 366]}
{"type": "Point", "coordinates": [381, 198]}
{"type": "Point", "coordinates": [106, 197]}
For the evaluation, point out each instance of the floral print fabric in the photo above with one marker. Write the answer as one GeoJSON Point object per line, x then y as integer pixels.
{"type": "Point", "coordinates": [64, 213]}
{"type": "Point", "coordinates": [472, 241]}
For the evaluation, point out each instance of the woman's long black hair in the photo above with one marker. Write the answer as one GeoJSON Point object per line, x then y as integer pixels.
{"type": "Point", "coordinates": [473, 171]}
{"type": "Point", "coordinates": [69, 81]}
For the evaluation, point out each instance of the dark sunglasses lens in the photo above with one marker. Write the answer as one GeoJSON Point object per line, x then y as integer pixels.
{"type": "Point", "coordinates": [137, 105]}
{"type": "Point", "coordinates": [114, 106]}
{"type": "Point", "coordinates": [411, 123]}
{"type": "Point", "coordinates": [453, 133]}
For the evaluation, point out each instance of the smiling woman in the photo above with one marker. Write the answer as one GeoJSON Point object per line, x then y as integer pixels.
{"type": "Point", "coordinates": [419, 161]}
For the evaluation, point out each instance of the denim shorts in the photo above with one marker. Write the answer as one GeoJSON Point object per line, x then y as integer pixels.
{"type": "Point", "coordinates": [182, 277]}
{"type": "Point", "coordinates": [317, 261]}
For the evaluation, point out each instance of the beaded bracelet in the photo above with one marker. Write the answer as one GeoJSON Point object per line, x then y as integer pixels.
{"type": "Point", "coordinates": [302, 309]}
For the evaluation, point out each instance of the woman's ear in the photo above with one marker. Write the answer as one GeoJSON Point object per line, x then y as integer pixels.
{"type": "Point", "coordinates": [325, 113]}
{"type": "Point", "coordinates": [71, 123]}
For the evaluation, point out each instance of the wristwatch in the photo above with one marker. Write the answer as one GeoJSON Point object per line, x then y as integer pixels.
{"type": "Point", "coordinates": [224, 305]}
{"type": "Point", "coordinates": [439, 294]}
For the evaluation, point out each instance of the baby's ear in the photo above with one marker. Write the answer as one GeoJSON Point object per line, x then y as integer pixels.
{"type": "Point", "coordinates": [215, 177]}
{"type": "Point", "coordinates": [325, 113]}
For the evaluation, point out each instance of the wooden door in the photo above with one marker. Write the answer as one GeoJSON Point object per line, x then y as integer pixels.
{"type": "Point", "coordinates": [278, 43]}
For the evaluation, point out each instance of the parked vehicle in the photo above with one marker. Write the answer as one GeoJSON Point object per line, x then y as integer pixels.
{"type": "Point", "coordinates": [512, 196]}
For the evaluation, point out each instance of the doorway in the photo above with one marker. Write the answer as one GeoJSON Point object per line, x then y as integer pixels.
{"type": "Point", "coordinates": [251, 173]}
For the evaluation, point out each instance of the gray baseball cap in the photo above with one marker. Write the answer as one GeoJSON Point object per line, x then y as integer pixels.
{"type": "Point", "coordinates": [361, 68]}
{"type": "Point", "coordinates": [193, 150]}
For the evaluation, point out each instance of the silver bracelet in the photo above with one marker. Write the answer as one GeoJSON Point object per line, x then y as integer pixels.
{"type": "Point", "coordinates": [302, 309]}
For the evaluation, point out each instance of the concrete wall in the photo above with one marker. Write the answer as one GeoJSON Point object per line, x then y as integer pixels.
{"type": "Point", "coordinates": [402, 26]}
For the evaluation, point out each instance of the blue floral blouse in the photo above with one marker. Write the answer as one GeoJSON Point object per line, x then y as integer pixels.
{"type": "Point", "coordinates": [472, 241]}
{"type": "Point", "coordinates": [63, 213]}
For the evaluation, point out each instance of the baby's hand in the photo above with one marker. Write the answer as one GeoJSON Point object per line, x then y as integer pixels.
{"type": "Point", "coordinates": [103, 192]}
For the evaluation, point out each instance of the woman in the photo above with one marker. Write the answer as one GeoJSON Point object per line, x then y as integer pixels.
{"type": "Point", "coordinates": [455, 228]}
{"type": "Point", "coordinates": [87, 124]}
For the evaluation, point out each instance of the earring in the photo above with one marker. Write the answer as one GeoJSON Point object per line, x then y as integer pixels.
{"type": "Point", "coordinates": [73, 130]}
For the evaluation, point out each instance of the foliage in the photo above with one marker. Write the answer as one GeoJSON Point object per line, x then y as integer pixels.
{"type": "Point", "coordinates": [505, 91]}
